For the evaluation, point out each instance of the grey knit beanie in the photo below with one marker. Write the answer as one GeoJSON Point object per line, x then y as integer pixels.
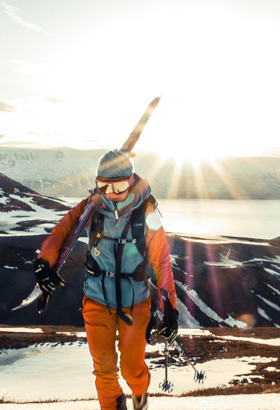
{"type": "Point", "coordinates": [115, 164]}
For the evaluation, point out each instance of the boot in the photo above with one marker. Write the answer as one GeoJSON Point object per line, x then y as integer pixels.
{"type": "Point", "coordinates": [121, 402]}
{"type": "Point", "coordinates": [140, 404]}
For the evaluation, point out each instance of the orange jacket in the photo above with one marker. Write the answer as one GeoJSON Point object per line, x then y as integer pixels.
{"type": "Point", "coordinates": [156, 243]}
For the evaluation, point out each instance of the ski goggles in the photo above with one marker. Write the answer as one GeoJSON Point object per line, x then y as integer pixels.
{"type": "Point", "coordinates": [113, 186]}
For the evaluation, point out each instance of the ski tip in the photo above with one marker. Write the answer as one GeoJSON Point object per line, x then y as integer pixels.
{"type": "Point", "coordinates": [16, 308]}
{"type": "Point", "coordinates": [155, 101]}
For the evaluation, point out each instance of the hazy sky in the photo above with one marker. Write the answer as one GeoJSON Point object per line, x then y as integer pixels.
{"type": "Point", "coordinates": [81, 73]}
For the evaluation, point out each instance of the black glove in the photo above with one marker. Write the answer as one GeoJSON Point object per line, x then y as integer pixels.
{"type": "Point", "coordinates": [169, 325]}
{"type": "Point", "coordinates": [47, 278]}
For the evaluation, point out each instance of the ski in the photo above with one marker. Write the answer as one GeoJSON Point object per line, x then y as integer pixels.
{"type": "Point", "coordinates": [93, 202]}
{"type": "Point", "coordinates": [135, 134]}
{"type": "Point", "coordinates": [69, 243]}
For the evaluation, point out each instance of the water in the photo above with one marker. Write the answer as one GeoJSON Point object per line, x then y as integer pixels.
{"type": "Point", "coordinates": [252, 218]}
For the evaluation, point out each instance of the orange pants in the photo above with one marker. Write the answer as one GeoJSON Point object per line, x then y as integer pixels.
{"type": "Point", "coordinates": [101, 330]}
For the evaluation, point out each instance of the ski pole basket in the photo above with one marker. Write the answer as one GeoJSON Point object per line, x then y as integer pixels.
{"type": "Point", "coordinates": [199, 375]}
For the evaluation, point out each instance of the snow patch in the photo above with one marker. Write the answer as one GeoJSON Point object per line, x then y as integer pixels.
{"type": "Point", "coordinates": [20, 330]}
{"type": "Point", "coordinates": [10, 267]}
{"type": "Point", "coordinates": [194, 332]}
{"type": "Point", "coordinates": [272, 272]}
{"type": "Point", "coordinates": [265, 315]}
{"type": "Point", "coordinates": [269, 342]}
{"type": "Point", "coordinates": [24, 375]}
{"type": "Point", "coordinates": [78, 334]}
{"type": "Point", "coordinates": [192, 294]}
{"type": "Point", "coordinates": [186, 320]}
{"type": "Point", "coordinates": [276, 307]}
{"type": "Point", "coordinates": [225, 261]}
{"type": "Point", "coordinates": [274, 290]}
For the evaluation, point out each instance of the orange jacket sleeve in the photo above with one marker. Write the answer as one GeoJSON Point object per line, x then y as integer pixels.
{"type": "Point", "coordinates": [51, 246]}
{"type": "Point", "coordinates": [159, 256]}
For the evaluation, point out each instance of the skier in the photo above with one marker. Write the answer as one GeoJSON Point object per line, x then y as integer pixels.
{"type": "Point", "coordinates": [124, 234]}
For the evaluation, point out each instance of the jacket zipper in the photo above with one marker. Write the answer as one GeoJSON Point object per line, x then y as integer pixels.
{"type": "Point", "coordinates": [116, 215]}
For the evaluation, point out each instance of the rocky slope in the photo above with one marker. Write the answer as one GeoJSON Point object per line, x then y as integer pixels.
{"type": "Point", "coordinates": [220, 281]}
{"type": "Point", "coordinates": [22, 209]}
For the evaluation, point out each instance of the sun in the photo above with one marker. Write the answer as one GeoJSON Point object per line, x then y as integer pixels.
{"type": "Point", "coordinates": [193, 154]}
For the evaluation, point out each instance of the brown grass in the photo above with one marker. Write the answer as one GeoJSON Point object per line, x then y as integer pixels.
{"type": "Point", "coordinates": [201, 347]}
{"type": "Point", "coordinates": [251, 388]}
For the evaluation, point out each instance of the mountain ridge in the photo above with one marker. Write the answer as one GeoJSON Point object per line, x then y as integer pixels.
{"type": "Point", "coordinates": [70, 172]}
{"type": "Point", "coordinates": [22, 209]}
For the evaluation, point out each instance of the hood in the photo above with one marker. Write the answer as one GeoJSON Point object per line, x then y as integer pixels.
{"type": "Point", "coordinates": [138, 192]}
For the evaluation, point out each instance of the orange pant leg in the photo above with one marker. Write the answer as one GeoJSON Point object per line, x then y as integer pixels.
{"type": "Point", "coordinates": [132, 343]}
{"type": "Point", "coordinates": [101, 335]}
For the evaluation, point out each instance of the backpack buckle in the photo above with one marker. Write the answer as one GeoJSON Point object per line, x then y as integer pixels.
{"type": "Point", "coordinates": [110, 274]}
{"type": "Point", "coordinates": [96, 252]}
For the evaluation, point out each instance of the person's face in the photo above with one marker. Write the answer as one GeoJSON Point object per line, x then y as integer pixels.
{"type": "Point", "coordinates": [114, 190]}
{"type": "Point", "coordinates": [118, 197]}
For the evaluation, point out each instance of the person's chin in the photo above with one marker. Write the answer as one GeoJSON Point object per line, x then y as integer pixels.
{"type": "Point", "coordinates": [117, 197]}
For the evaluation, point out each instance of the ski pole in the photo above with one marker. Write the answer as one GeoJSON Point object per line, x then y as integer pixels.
{"type": "Point", "coordinates": [166, 385]}
{"type": "Point", "coordinates": [199, 376]}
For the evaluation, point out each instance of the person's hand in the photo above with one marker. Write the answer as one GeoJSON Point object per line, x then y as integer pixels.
{"type": "Point", "coordinates": [46, 277]}
{"type": "Point", "coordinates": [169, 325]}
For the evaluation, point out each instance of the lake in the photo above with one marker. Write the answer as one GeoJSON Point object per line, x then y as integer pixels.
{"type": "Point", "coordinates": [252, 218]}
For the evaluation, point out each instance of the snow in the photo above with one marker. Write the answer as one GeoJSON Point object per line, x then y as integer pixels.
{"type": "Point", "coordinates": [10, 220]}
{"type": "Point", "coordinates": [272, 272]}
{"type": "Point", "coordinates": [269, 342]}
{"type": "Point", "coordinates": [271, 369]}
{"type": "Point", "coordinates": [62, 372]}
{"type": "Point", "coordinates": [20, 330]}
{"type": "Point", "coordinates": [274, 290]}
{"type": "Point", "coordinates": [186, 319]}
{"type": "Point", "coordinates": [37, 373]}
{"type": "Point", "coordinates": [265, 315]}
{"type": "Point", "coordinates": [225, 262]}
{"type": "Point", "coordinates": [10, 267]}
{"type": "Point", "coordinates": [195, 332]}
{"type": "Point", "coordinates": [192, 294]}
{"type": "Point", "coordinates": [240, 402]}
{"type": "Point", "coordinates": [78, 334]}
{"type": "Point", "coordinates": [273, 305]}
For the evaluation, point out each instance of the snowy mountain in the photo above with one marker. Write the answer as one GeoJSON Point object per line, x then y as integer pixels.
{"type": "Point", "coordinates": [22, 209]}
{"type": "Point", "coordinates": [226, 281]}
{"type": "Point", "coordinates": [220, 281]}
{"type": "Point", "coordinates": [69, 172]}
{"type": "Point", "coordinates": [51, 172]}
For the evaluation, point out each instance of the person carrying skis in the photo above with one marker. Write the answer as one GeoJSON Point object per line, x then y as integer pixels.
{"type": "Point", "coordinates": [124, 235]}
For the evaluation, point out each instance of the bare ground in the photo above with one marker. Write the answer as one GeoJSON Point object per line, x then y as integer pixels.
{"type": "Point", "coordinates": [201, 347]}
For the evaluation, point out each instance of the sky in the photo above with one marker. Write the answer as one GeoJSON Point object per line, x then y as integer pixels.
{"type": "Point", "coordinates": [81, 74]}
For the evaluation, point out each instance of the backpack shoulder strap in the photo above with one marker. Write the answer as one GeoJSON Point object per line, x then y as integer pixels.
{"type": "Point", "coordinates": [138, 223]}
{"type": "Point", "coordinates": [151, 200]}
{"type": "Point", "coordinates": [96, 230]}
